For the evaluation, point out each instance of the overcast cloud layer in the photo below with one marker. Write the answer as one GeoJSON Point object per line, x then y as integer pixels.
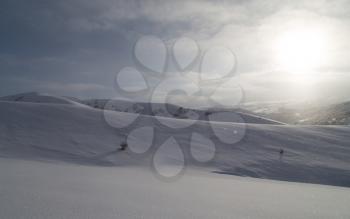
{"type": "Point", "coordinates": [75, 47]}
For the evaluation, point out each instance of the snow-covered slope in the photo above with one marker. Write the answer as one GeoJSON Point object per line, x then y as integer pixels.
{"type": "Point", "coordinates": [46, 190]}
{"type": "Point", "coordinates": [154, 109]}
{"type": "Point", "coordinates": [336, 114]}
{"type": "Point", "coordinates": [61, 161]}
{"type": "Point", "coordinates": [34, 97]}
{"type": "Point", "coordinates": [159, 109]}
{"type": "Point", "coordinates": [304, 113]}
{"type": "Point", "coordinates": [70, 133]}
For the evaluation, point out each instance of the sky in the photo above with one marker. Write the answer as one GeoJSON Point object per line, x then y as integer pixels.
{"type": "Point", "coordinates": [285, 50]}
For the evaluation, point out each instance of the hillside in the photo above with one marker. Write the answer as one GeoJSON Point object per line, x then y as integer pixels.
{"type": "Point", "coordinates": [35, 97]}
{"type": "Point", "coordinates": [62, 160]}
{"type": "Point", "coordinates": [74, 134]}
{"type": "Point", "coordinates": [171, 110]}
{"type": "Point", "coordinates": [303, 113]}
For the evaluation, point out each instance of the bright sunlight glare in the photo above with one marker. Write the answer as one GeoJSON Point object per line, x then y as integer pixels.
{"type": "Point", "coordinates": [300, 51]}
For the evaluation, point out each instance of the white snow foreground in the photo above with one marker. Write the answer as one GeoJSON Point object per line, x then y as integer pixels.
{"type": "Point", "coordinates": [84, 176]}
{"type": "Point", "coordinates": [30, 189]}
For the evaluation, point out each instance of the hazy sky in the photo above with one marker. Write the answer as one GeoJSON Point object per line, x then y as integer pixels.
{"type": "Point", "coordinates": [75, 47]}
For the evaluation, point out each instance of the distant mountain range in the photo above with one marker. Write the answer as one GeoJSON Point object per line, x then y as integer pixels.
{"type": "Point", "coordinates": [304, 113]}
{"type": "Point", "coordinates": [151, 109]}
{"type": "Point", "coordinates": [171, 110]}
{"type": "Point", "coordinates": [260, 112]}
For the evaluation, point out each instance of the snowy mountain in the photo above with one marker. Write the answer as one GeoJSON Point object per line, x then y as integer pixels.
{"type": "Point", "coordinates": [71, 133]}
{"type": "Point", "coordinates": [154, 109]}
{"type": "Point", "coordinates": [159, 109]}
{"type": "Point", "coordinates": [303, 113]}
{"type": "Point", "coordinates": [336, 114]}
{"type": "Point", "coordinates": [34, 97]}
{"type": "Point", "coordinates": [61, 159]}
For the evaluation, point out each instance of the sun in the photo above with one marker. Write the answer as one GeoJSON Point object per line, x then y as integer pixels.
{"type": "Point", "coordinates": [300, 51]}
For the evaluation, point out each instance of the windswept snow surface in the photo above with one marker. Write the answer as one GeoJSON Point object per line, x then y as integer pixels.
{"type": "Point", "coordinates": [30, 189]}
{"type": "Point", "coordinates": [61, 161]}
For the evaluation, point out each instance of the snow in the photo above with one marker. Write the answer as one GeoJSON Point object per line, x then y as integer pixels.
{"type": "Point", "coordinates": [69, 133]}
{"type": "Point", "coordinates": [31, 189]}
{"type": "Point", "coordinates": [157, 109]}
{"type": "Point", "coordinates": [34, 97]}
{"type": "Point", "coordinates": [62, 161]}
{"type": "Point", "coordinates": [303, 113]}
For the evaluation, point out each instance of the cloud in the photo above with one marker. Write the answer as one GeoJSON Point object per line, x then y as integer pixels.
{"type": "Point", "coordinates": [79, 45]}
